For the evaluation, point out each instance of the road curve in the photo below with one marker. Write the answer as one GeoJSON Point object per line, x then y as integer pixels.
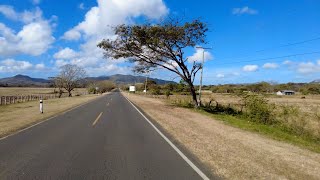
{"type": "Point", "coordinates": [104, 139]}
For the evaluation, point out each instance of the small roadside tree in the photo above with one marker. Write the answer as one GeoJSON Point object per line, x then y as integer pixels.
{"type": "Point", "coordinates": [70, 77]}
{"type": "Point", "coordinates": [161, 45]}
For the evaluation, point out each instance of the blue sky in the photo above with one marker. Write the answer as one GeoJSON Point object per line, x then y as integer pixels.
{"type": "Point", "coordinates": [38, 36]}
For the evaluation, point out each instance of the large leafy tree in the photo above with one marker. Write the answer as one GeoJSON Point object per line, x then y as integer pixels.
{"type": "Point", "coordinates": [161, 45]}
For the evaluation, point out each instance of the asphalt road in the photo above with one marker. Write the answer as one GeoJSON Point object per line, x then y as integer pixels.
{"type": "Point", "coordinates": [104, 139]}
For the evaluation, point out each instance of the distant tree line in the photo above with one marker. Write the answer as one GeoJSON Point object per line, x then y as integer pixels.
{"type": "Point", "coordinates": [265, 87]}
{"type": "Point", "coordinates": [261, 88]}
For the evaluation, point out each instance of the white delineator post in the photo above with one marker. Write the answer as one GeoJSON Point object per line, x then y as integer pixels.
{"type": "Point", "coordinates": [41, 106]}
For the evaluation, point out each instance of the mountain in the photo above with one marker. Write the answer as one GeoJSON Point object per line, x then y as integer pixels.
{"type": "Point", "coordinates": [128, 79]}
{"type": "Point", "coordinates": [26, 81]}
{"type": "Point", "coordinates": [23, 81]}
{"type": "Point", "coordinates": [316, 81]}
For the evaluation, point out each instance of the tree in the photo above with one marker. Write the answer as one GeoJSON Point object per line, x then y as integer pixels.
{"type": "Point", "coordinates": [71, 76]}
{"type": "Point", "coordinates": [58, 83]}
{"type": "Point", "coordinates": [105, 86]}
{"type": "Point", "coordinates": [161, 45]}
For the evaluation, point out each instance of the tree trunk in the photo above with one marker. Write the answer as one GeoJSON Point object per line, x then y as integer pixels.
{"type": "Point", "coordinates": [193, 94]}
{"type": "Point", "coordinates": [70, 95]}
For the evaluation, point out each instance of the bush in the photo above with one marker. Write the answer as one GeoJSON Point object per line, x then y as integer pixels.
{"type": "Point", "coordinates": [168, 93]}
{"type": "Point", "coordinates": [258, 109]}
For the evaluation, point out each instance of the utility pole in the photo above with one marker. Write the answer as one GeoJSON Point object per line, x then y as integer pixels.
{"type": "Point", "coordinates": [145, 86]}
{"type": "Point", "coordinates": [202, 65]}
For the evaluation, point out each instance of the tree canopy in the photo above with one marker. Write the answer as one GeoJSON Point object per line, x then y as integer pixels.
{"type": "Point", "coordinates": [161, 45]}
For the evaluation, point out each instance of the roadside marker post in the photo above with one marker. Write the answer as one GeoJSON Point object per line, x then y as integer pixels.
{"type": "Point", "coordinates": [41, 106]}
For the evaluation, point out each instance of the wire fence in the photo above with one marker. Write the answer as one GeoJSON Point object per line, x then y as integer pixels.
{"type": "Point", "coordinates": [6, 100]}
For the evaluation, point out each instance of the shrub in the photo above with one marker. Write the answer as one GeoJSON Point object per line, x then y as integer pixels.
{"type": "Point", "coordinates": [167, 93]}
{"type": "Point", "coordinates": [258, 109]}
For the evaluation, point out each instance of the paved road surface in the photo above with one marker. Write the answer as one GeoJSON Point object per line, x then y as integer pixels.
{"type": "Point", "coordinates": [104, 139]}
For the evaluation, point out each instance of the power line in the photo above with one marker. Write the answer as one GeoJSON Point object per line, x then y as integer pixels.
{"type": "Point", "coordinates": [280, 46]}
{"type": "Point", "coordinates": [278, 57]}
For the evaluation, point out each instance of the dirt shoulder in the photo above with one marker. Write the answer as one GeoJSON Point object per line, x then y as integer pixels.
{"type": "Point", "coordinates": [14, 117]}
{"type": "Point", "coordinates": [227, 151]}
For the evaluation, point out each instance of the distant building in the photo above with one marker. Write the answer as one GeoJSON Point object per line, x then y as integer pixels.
{"type": "Point", "coordinates": [285, 92]}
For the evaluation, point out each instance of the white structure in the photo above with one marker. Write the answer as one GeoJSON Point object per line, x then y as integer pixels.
{"type": "Point", "coordinates": [279, 93]}
{"type": "Point", "coordinates": [132, 89]}
{"type": "Point", "coordinates": [41, 106]}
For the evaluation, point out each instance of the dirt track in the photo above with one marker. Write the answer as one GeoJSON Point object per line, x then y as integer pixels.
{"type": "Point", "coordinates": [230, 152]}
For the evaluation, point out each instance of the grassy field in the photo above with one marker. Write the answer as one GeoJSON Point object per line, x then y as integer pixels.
{"type": "Point", "coordinates": [18, 116]}
{"type": "Point", "coordinates": [15, 91]}
{"type": "Point", "coordinates": [228, 151]}
{"type": "Point", "coordinates": [297, 120]}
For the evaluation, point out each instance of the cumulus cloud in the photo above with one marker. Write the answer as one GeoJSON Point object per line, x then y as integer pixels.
{"type": "Point", "coordinates": [308, 67]}
{"type": "Point", "coordinates": [250, 68]}
{"type": "Point", "coordinates": [34, 38]}
{"type": "Point", "coordinates": [11, 65]}
{"type": "Point", "coordinates": [270, 66]}
{"type": "Point", "coordinates": [305, 68]}
{"type": "Point", "coordinates": [198, 55]}
{"type": "Point", "coordinates": [8, 12]}
{"type": "Point", "coordinates": [244, 10]}
{"type": "Point", "coordinates": [96, 26]}
{"type": "Point", "coordinates": [113, 12]}
{"type": "Point", "coordinates": [65, 53]}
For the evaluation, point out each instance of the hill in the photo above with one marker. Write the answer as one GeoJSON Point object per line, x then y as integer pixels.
{"type": "Point", "coordinates": [128, 79]}
{"type": "Point", "coordinates": [316, 81]}
{"type": "Point", "coordinates": [26, 81]}
{"type": "Point", "coordinates": [23, 81]}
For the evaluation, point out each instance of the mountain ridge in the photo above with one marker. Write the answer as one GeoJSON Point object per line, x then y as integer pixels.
{"type": "Point", "coordinates": [20, 80]}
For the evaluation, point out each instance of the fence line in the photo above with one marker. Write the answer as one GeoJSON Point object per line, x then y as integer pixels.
{"type": "Point", "coordinates": [6, 100]}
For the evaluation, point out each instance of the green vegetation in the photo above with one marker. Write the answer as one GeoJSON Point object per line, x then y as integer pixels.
{"type": "Point", "coordinates": [264, 87]}
{"type": "Point", "coordinates": [256, 114]}
{"type": "Point", "coordinates": [100, 87]}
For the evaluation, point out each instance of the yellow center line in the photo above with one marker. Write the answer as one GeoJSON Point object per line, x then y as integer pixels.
{"type": "Point", "coordinates": [95, 122]}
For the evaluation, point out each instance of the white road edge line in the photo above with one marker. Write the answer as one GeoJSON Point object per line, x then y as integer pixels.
{"type": "Point", "coordinates": [184, 157]}
{"type": "Point", "coordinates": [59, 114]}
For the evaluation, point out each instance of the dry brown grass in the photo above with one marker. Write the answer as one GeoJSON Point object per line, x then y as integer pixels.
{"type": "Point", "coordinates": [17, 116]}
{"type": "Point", "coordinates": [14, 91]}
{"type": "Point", "coordinates": [230, 152]}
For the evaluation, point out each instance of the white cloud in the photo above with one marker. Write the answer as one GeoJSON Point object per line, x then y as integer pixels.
{"type": "Point", "coordinates": [97, 26]}
{"type": "Point", "coordinates": [114, 12]}
{"type": "Point", "coordinates": [40, 66]}
{"type": "Point", "coordinates": [11, 65]}
{"type": "Point", "coordinates": [198, 55]}
{"type": "Point", "coordinates": [34, 38]}
{"type": "Point", "coordinates": [72, 35]}
{"type": "Point", "coordinates": [25, 16]}
{"type": "Point", "coordinates": [308, 68]}
{"type": "Point", "coordinates": [250, 68]}
{"type": "Point", "coordinates": [220, 75]}
{"type": "Point", "coordinates": [270, 66]}
{"type": "Point", "coordinates": [287, 62]}
{"type": "Point", "coordinates": [65, 53]}
{"type": "Point", "coordinates": [244, 10]}
{"type": "Point", "coordinates": [8, 12]}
